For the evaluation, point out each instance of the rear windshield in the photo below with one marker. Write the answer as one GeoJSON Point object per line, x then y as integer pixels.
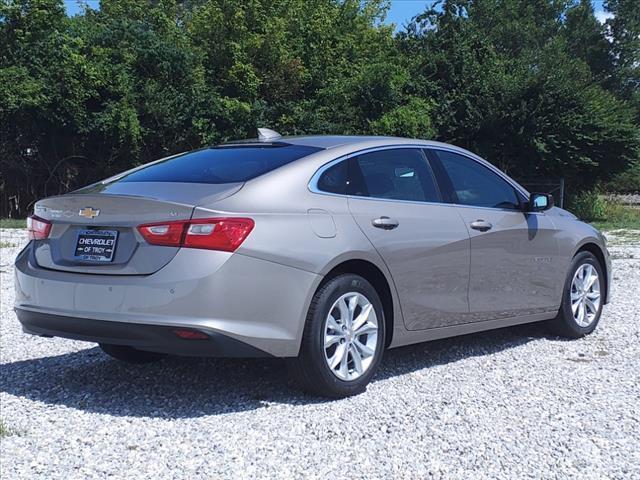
{"type": "Point", "coordinates": [231, 164]}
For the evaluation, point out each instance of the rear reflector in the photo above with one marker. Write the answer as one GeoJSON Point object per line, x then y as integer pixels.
{"type": "Point", "coordinates": [38, 228]}
{"type": "Point", "coordinates": [190, 334]}
{"type": "Point", "coordinates": [225, 234]}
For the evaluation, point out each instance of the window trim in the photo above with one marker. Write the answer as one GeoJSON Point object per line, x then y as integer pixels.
{"type": "Point", "coordinates": [313, 182]}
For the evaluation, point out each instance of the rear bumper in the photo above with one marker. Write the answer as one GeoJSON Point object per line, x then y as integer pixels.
{"type": "Point", "coordinates": [154, 338]}
{"type": "Point", "coordinates": [255, 302]}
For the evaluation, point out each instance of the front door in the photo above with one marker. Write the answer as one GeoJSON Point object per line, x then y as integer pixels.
{"type": "Point", "coordinates": [514, 255]}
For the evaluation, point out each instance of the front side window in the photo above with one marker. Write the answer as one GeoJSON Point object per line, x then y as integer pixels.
{"type": "Point", "coordinates": [475, 185]}
{"type": "Point", "coordinates": [396, 174]}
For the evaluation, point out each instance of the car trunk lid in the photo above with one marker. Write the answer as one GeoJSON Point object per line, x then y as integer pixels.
{"type": "Point", "coordinates": [109, 215]}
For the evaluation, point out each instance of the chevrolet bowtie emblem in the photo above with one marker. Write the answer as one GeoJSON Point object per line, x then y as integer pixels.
{"type": "Point", "coordinates": [89, 212]}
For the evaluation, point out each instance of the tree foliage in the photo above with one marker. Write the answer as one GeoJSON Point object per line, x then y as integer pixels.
{"type": "Point", "coordinates": [539, 87]}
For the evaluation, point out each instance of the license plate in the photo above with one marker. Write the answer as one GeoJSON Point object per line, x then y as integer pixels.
{"type": "Point", "coordinates": [96, 245]}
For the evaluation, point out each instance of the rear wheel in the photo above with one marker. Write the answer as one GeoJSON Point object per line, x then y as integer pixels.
{"type": "Point", "coordinates": [343, 338]}
{"type": "Point", "coordinates": [130, 354]}
{"type": "Point", "coordinates": [582, 299]}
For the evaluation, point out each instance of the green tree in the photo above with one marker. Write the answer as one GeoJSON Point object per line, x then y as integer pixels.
{"type": "Point", "coordinates": [514, 89]}
{"type": "Point", "coordinates": [586, 40]}
{"type": "Point", "coordinates": [624, 31]}
{"type": "Point", "coordinates": [535, 86]}
{"type": "Point", "coordinates": [42, 85]}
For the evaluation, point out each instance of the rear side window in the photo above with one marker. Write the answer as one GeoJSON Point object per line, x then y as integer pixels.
{"type": "Point", "coordinates": [232, 164]}
{"type": "Point", "coordinates": [334, 179]}
{"type": "Point", "coordinates": [476, 185]}
{"type": "Point", "coordinates": [396, 174]}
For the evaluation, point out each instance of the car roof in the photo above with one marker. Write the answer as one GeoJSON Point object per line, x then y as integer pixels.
{"type": "Point", "coordinates": [356, 141]}
{"type": "Point", "coordinates": [333, 141]}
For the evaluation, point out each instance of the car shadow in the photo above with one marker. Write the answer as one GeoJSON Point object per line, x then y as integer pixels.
{"type": "Point", "coordinates": [181, 387]}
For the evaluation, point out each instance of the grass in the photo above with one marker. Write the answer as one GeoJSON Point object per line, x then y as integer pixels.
{"type": "Point", "coordinates": [13, 223]}
{"type": "Point", "coordinates": [604, 211]}
{"type": "Point", "coordinates": [7, 244]}
{"type": "Point", "coordinates": [619, 217]}
{"type": "Point", "coordinates": [4, 431]}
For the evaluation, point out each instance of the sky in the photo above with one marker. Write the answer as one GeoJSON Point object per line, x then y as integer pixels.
{"type": "Point", "coordinates": [400, 13]}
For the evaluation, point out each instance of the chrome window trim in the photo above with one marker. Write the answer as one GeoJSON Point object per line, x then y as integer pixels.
{"type": "Point", "coordinates": [313, 182]}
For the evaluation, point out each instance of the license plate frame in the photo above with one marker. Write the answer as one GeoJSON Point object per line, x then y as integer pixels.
{"type": "Point", "coordinates": [99, 252]}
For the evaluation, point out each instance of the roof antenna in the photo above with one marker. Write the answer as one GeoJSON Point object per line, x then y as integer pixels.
{"type": "Point", "coordinates": [267, 135]}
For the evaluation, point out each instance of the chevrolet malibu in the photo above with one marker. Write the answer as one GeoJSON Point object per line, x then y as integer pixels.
{"type": "Point", "coordinates": [323, 249]}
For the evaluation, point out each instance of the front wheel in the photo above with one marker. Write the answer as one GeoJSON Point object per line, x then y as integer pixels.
{"type": "Point", "coordinates": [582, 299]}
{"type": "Point", "coordinates": [343, 339]}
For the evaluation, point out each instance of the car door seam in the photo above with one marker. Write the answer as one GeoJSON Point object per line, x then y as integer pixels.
{"type": "Point", "coordinates": [393, 281]}
{"type": "Point", "coordinates": [470, 238]}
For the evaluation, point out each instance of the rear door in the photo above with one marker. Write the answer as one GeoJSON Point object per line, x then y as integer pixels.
{"type": "Point", "coordinates": [514, 255]}
{"type": "Point", "coordinates": [395, 201]}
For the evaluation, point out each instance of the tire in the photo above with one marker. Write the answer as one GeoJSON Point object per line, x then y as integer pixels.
{"type": "Point", "coordinates": [130, 354]}
{"type": "Point", "coordinates": [566, 324]}
{"type": "Point", "coordinates": [311, 369]}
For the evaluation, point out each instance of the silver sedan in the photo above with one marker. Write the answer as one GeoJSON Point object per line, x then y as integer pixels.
{"type": "Point", "coordinates": [324, 249]}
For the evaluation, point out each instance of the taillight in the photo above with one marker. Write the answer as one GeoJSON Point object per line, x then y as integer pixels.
{"type": "Point", "coordinates": [38, 228]}
{"type": "Point", "coordinates": [225, 234]}
{"type": "Point", "coordinates": [168, 234]}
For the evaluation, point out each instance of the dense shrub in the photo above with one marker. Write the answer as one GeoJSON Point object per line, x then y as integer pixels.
{"type": "Point", "coordinates": [588, 205]}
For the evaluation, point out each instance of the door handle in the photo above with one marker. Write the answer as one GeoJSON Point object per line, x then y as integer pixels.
{"type": "Point", "coordinates": [385, 223]}
{"type": "Point", "coordinates": [481, 225]}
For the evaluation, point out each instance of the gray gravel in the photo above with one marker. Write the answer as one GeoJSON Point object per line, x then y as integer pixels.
{"type": "Point", "coordinates": [627, 199]}
{"type": "Point", "coordinates": [512, 403]}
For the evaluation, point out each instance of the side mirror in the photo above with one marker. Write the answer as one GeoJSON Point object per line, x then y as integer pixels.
{"type": "Point", "coordinates": [539, 202]}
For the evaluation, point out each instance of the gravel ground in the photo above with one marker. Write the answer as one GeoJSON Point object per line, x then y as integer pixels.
{"type": "Point", "coordinates": [512, 403]}
{"type": "Point", "coordinates": [628, 199]}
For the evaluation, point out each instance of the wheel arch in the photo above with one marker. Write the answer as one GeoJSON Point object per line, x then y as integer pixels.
{"type": "Point", "coordinates": [373, 274]}
{"type": "Point", "coordinates": [597, 252]}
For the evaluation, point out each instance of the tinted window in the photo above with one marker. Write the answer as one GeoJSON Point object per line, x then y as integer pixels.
{"type": "Point", "coordinates": [476, 185]}
{"type": "Point", "coordinates": [401, 174]}
{"type": "Point", "coordinates": [334, 179]}
{"type": "Point", "coordinates": [220, 164]}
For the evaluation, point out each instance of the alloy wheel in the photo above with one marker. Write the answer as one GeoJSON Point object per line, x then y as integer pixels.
{"type": "Point", "coordinates": [585, 295]}
{"type": "Point", "coordinates": [350, 336]}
